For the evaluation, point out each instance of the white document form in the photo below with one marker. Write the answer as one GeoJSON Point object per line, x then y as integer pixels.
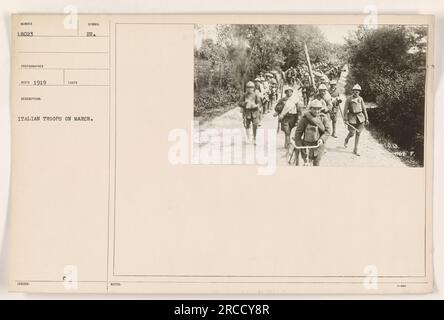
{"type": "Point", "coordinates": [110, 191]}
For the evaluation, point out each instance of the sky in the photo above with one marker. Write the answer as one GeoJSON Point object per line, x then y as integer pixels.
{"type": "Point", "coordinates": [337, 33]}
{"type": "Point", "coordinates": [206, 31]}
{"type": "Point", "coordinates": [333, 33]}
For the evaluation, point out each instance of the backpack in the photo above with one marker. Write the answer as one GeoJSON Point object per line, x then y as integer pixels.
{"type": "Point", "coordinates": [279, 107]}
{"type": "Point", "coordinates": [250, 102]}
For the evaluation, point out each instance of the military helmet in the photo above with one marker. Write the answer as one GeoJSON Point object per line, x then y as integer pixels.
{"type": "Point", "coordinates": [274, 81]}
{"type": "Point", "coordinates": [357, 87]}
{"type": "Point", "coordinates": [261, 79]}
{"type": "Point", "coordinates": [250, 84]}
{"type": "Point", "coordinates": [322, 87]}
{"type": "Point", "coordinates": [257, 79]}
{"type": "Point", "coordinates": [288, 88]}
{"type": "Point", "coordinates": [315, 104]}
{"type": "Point", "coordinates": [333, 82]}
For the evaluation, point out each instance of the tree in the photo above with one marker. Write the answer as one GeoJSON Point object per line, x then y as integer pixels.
{"type": "Point", "coordinates": [389, 64]}
{"type": "Point", "coordinates": [237, 54]}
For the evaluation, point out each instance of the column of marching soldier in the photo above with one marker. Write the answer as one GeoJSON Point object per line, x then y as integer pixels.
{"type": "Point", "coordinates": [309, 121]}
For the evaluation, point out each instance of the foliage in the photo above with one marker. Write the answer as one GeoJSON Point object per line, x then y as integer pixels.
{"type": "Point", "coordinates": [389, 64]}
{"type": "Point", "coordinates": [239, 52]}
{"type": "Point", "coordinates": [212, 101]}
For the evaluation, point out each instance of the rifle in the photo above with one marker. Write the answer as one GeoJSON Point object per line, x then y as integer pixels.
{"type": "Point", "coordinates": [348, 124]}
{"type": "Point", "coordinates": [310, 70]}
{"type": "Point", "coordinates": [342, 115]}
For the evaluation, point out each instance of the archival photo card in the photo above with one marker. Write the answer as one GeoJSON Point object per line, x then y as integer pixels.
{"type": "Point", "coordinates": [221, 154]}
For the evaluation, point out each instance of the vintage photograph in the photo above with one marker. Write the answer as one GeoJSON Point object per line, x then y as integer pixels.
{"type": "Point", "coordinates": [235, 154]}
{"type": "Point", "coordinates": [310, 95]}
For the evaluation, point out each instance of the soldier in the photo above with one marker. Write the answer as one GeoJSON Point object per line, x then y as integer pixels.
{"type": "Point", "coordinates": [289, 109]}
{"type": "Point", "coordinates": [273, 91]}
{"type": "Point", "coordinates": [265, 91]}
{"type": "Point", "coordinates": [290, 76]}
{"type": "Point", "coordinates": [313, 129]}
{"type": "Point", "coordinates": [333, 88]}
{"type": "Point", "coordinates": [259, 90]}
{"type": "Point", "coordinates": [258, 84]}
{"type": "Point", "coordinates": [261, 74]}
{"type": "Point", "coordinates": [280, 78]}
{"type": "Point", "coordinates": [268, 91]}
{"type": "Point", "coordinates": [324, 79]}
{"type": "Point", "coordinates": [336, 104]}
{"type": "Point", "coordinates": [355, 116]}
{"type": "Point", "coordinates": [324, 96]}
{"type": "Point", "coordinates": [250, 104]}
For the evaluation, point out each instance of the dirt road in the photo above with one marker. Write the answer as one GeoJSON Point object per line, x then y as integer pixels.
{"type": "Point", "coordinates": [373, 154]}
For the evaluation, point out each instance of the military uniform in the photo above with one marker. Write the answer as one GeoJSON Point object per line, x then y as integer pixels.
{"type": "Point", "coordinates": [266, 96]}
{"type": "Point", "coordinates": [326, 97]}
{"type": "Point", "coordinates": [289, 110]}
{"type": "Point", "coordinates": [335, 108]}
{"type": "Point", "coordinates": [273, 92]}
{"type": "Point", "coordinates": [259, 90]}
{"type": "Point", "coordinates": [290, 76]}
{"type": "Point", "coordinates": [356, 114]}
{"type": "Point", "coordinates": [250, 104]}
{"type": "Point", "coordinates": [308, 132]}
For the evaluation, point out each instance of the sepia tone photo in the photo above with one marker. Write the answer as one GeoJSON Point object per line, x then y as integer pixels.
{"type": "Point", "coordinates": [321, 95]}
{"type": "Point", "coordinates": [112, 119]}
